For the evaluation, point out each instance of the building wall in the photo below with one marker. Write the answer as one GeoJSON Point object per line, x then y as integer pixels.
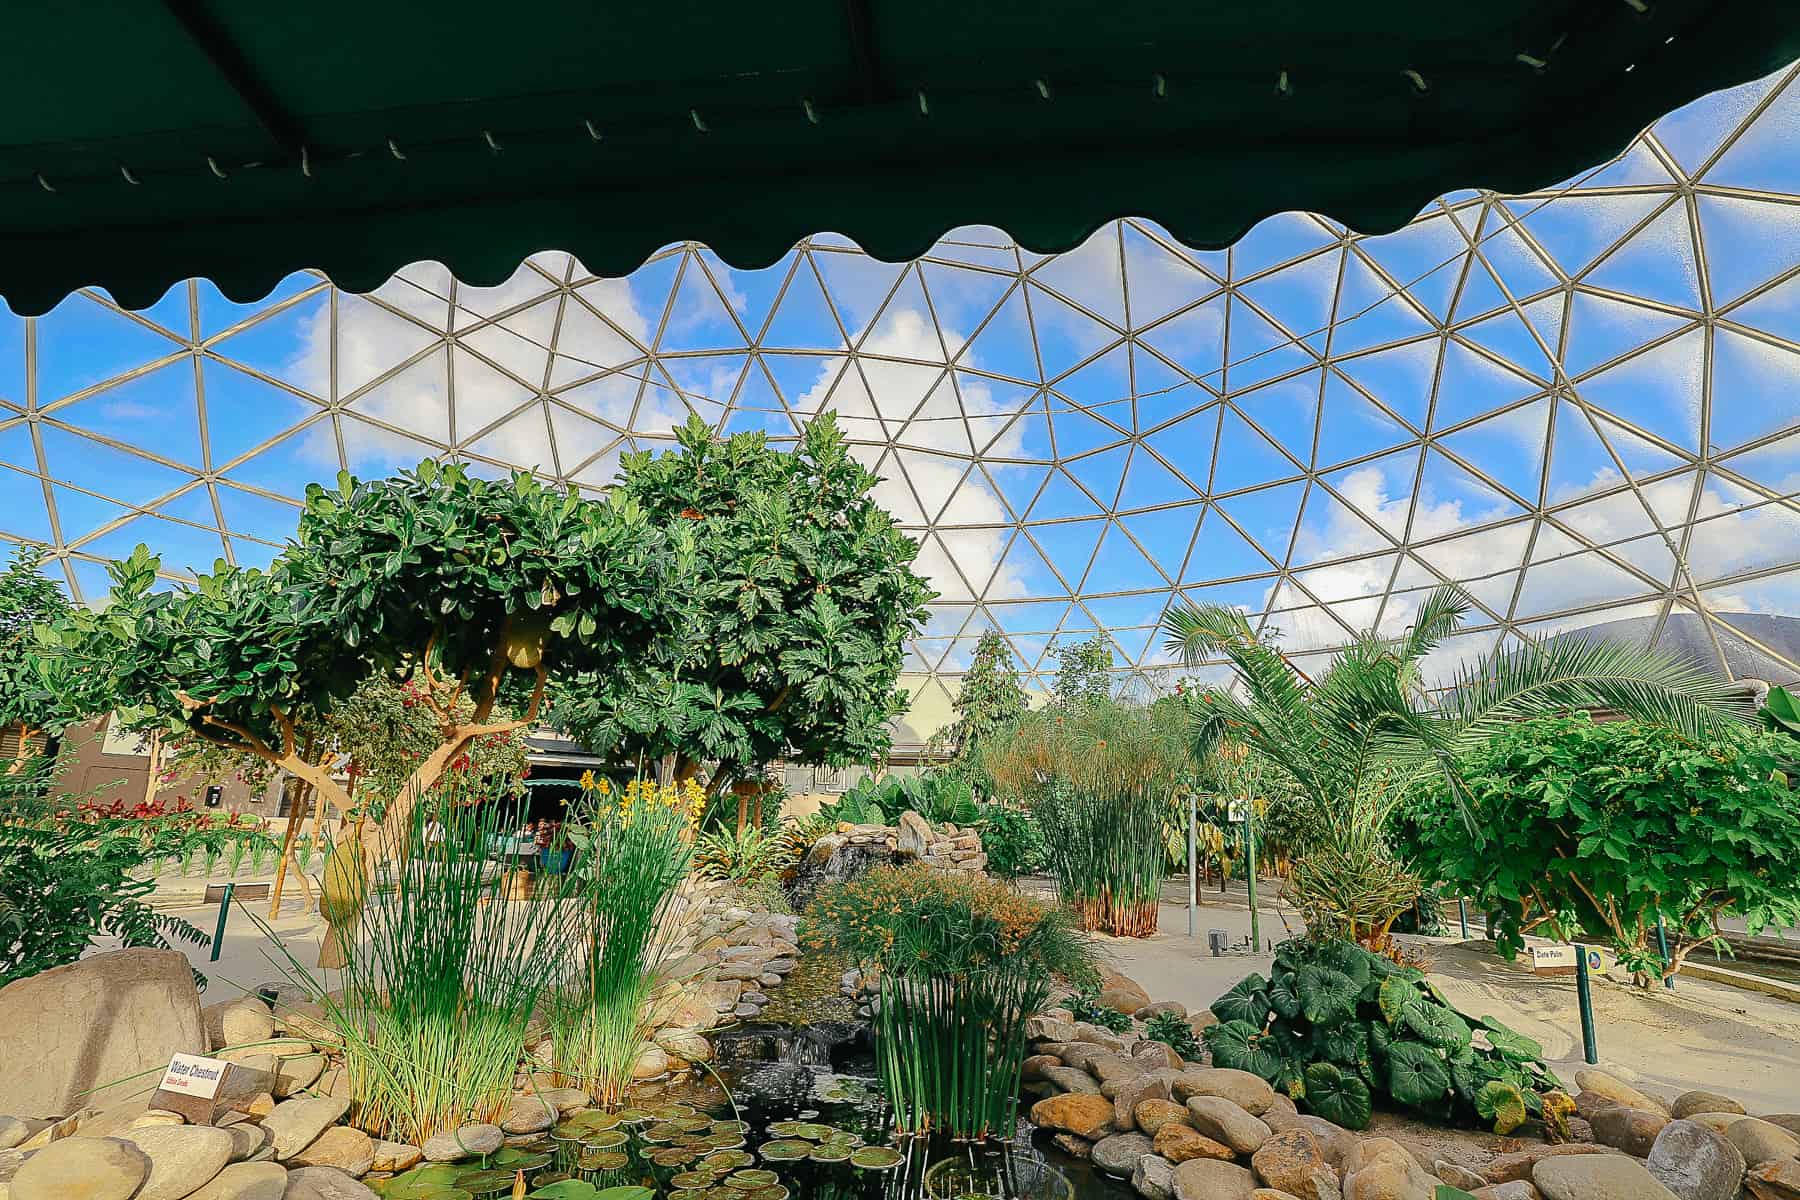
{"type": "Point", "coordinates": [88, 769]}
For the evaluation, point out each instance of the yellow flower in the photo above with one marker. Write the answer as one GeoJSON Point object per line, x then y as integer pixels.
{"type": "Point", "coordinates": [587, 779]}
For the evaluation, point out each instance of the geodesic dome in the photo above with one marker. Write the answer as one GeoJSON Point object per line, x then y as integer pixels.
{"type": "Point", "coordinates": [1578, 403]}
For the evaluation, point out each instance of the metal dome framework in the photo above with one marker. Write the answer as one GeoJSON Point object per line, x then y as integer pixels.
{"type": "Point", "coordinates": [1580, 404]}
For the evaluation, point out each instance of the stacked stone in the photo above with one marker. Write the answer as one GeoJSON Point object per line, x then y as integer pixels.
{"type": "Point", "coordinates": [944, 848]}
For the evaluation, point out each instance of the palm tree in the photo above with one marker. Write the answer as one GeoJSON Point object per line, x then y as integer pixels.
{"type": "Point", "coordinates": [1352, 740]}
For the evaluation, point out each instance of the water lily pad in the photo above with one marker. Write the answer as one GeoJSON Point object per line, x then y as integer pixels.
{"type": "Point", "coordinates": [785, 1129]}
{"type": "Point", "coordinates": [750, 1180]}
{"type": "Point", "coordinates": [422, 1183]}
{"type": "Point", "coordinates": [606, 1139]}
{"type": "Point", "coordinates": [513, 1158]}
{"type": "Point", "coordinates": [485, 1182]}
{"type": "Point", "coordinates": [601, 1160]}
{"type": "Point", "coordinates": [814, 1132]}
{"type": "Point", "coordinates": [774, 1191]}
{"type": "Point", "coordinates": [661, 1132]}
{"type": "Point", "coordinates": [691, 1124]}
{"type": "Point", "coordinates": [670, 1111]}
{"type": "Point", "coordinates": [844, 1137]}
{"type": "Point", "coordinates": [633, 1116]}
{"type": "Point", "coordinates": [626, 1192]}
{"type": "Point", "coordinates": [567, 1189]}
{"type": "Point", "coordinates": [731, 1126]}
{"type": "Point", "coordinates": [726, 1160]}
{"type": "Point", "coordinates": [546, 1178]}
{"type": "Point", "coordinates": [693, 1181]}
{"type": "Point", "coordinates": [831, 1152]}
{"type": "Point", "coordinates": [727, 1140]}
{"type": "Point", "coordinates": [876, 1158]}
{"type": "Point", "coordinates": [674, 1156]}
{"type": "Point", "coordinates": [785, 1150]}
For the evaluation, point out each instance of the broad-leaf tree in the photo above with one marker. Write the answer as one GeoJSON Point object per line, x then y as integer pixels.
{"type": "Point", "coordinates": [801, 593]}
{"type": "Point", "coordinates": [1352, 739]}
{"type": "Point", "coordinates": [1083, 673]}
{"type": "Point", "coordinates": [991, 700]}
{"type": "Point", "coordinates": [28, 598]}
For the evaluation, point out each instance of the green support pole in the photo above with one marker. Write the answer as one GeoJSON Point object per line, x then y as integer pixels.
{"type": "Point", "coordinates": [1584, 997]}
{"type": "Point", "coordinates": [1462, 915]}
{"type": "Point", "coordinates": [224, 908]}
{"type": "Point", "coordinates": [1250, 870]}
{"type": "Point", "coordinates": [1193, 860]}
{"type": "Point", "coordinates": [1662, 946]}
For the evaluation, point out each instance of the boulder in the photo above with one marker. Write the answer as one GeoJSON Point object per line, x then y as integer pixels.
{"type": "Point", "coordinates": [652, 1062]}
{"type": "Point", "coordinates": [1049, 1029]}
{"type": "Point", "coordinates": [1122, 994]}
{"type": "Point", "coordinates": [1269, 1193]}
{"type": "Point", "coordinates": [1034, 1065]}
{"type": "Point", "coordinates": [1156, 1055]}
{"type": "Point", "coordinates": [1178, 1143]}
{"type": "Point", "coordinates": [1696, 1163]}
{"type": "Point", "coordinates": [1617, 1090]}
{"type": "Point", "coordinates": [395, 1156]}
{"type": "Point", "coordinates": [1519, 1164]}
{"type": "Point", "coordinates": [1596, 1177]}
{"type": "Point", "coordinates": [1085, 1116]}
{"type": "Point", "coordinates": [1152, 1085]}
{"type": "Point", "coordinates": [1151, 1115]}
{"type": "Point", "coordinates": [246, 1181]}
{"type": "Point", "coordinates": [1069, 1079]}
{"type": "Point", "coordinates": [566, 1099]}
{"type": "Point", "coordinates": [325, 1183]}
{"type": "Point", "coordinates": [1386, 1170]}
{"type": "Point", "coordinates": [529, 1114]}
{"type": "Point", "coordinates": [296, 1073]}
{"type": "Point", "coordinates": [1118, 1155]}
{"type": "Point", "coordinates": [182, 1157]}
{"type": "Point", "coordinates": [1212, 1179]}
{"type": "Point", "coordinates": [1292, 1162]}
{"type": "Point", "coordinates": [1689, 1103]}
{"type": "Point", "coordinates": [306, 1021]}
{"type": "Point", "coordinates": [1629, 1129]}
{"type": "Point", "coordinates": [84, 1168]}
{"type": "Point", "coordinates": [1162, 1008]}
{"type": "Point", "coordinates": [106, 1020]}
{"type": "Point", "coordinates": [1079, 1055]}
{"type": "Point", "coordinates": [468, 1141]}
{"type": "Point", "coordinates": [1249, 1092]}
{"type": "Point", "coordinates": [1788, 1121]}
{"type": "Point", "coordinates": [1114, 1068]}
{"type": "Point", "coordinates": [1518, 1189]}
{"type": "Point", "coordinates": [1761, 1141]}
{"type": "Point", "coordinates": [247, 1141]}
{"type": "Point", "coordinates": [1779, 1180]}
{"type": "Point", "coordinates": [1223, 1121]}
{"type": "Point", "coordinates": [1074, 1147]}
{"type": "Point", "coordinates": [689, 1045]}
{"type": "Point", "coordinates": [913, 835]}
{"type": "Point", "coordinates": [1457, 1175]}
{"type": "Point", "coordinates": [12, 1132]}
{"type": "Point", "coordinates": [294, 1125]}
{"type": "Point", "coordinates": [1104, 1038]}
{"type": "Point", "coordinates": [1154, 1178]}
{"type": "Point", "coordinates": [235, 1022]}
{"type": "Point", "coordinates": [349, 1150]}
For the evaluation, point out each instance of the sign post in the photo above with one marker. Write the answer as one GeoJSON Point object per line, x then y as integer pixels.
{"type": "Point", "coordinates": [224, 908]}
{"type": "Point", "coordinates": [1250, 872]}
{"type": "Point", "coordinates": [190, 1086]}
{"type": "Point", "coordinates": [1584, 998]}
{"type": "Point", "coordinates": [1193, 879]}
{"type": "Point", "coordinates": [1662, 946]}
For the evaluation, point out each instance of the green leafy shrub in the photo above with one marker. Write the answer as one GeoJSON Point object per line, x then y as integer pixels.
{"type": "Point", "coordinates": [1614, 822]}
{"type": "Point", "coordinates": [1175, 1033]}
{"type": "Point", "coordinates": [1336, 1027]}
{"type": "Point", "coordinates": [742, 855]}
{"type": "Point", "coordinates": [1013, 841]}
{"type": "Point", "coordinates": [941, 797]}
{"type": "Point", "coordinates": [1086, 1006]}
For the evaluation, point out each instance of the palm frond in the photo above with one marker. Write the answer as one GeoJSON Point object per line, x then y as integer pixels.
{"type": "Point", "coordinates": [1439, 616]}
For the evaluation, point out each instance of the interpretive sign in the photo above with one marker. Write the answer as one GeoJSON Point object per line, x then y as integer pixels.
{"type": "Point", "coordinates": [189, 1086]}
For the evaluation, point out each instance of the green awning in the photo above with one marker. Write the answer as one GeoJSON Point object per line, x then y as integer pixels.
{"type": "Point", "coordinates": [146, 143]}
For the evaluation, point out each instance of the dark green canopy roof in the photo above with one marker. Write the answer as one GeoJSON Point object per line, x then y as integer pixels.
{"type": "Point", "coordinates": [147, 143]}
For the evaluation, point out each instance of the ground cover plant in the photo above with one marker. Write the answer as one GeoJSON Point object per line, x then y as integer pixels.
{"type": "Point", "coordinates": [1599, 828]}
{"type": "Point", "coordinates": [1338, 1028]}
{"type": "Point", "coordinates": [963, 962]}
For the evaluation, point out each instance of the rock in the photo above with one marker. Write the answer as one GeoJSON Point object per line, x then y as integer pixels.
{"type": "Point", "coordinates": [1212, 1179]}
{"type": "Point", "coordinates": [1156, 1055]}
{"type": "Point", "coordinates": [1694, 1162]}
{"type": "Point", "coordinates": [294, 1074]}
{"type": "Point", "coordinates": [652, 1062]}
{"type": "Point", "coordinates": [1135, 1091]}
{"type": "Point", "coordinates": [246, 1181]}
{"type": "Point", "coordinates": [1617, 1090]}
{"type": "Point", "coordinates": [349, 1150]}
{"type": "Point", "coordinates": [308, 1022]}
{"type": "Point", "coordinates": [566, 1099]}
{"type": "Point", "coordinates": [1049, 1029]}
{"type": "Point", "coordinates": [1071, 1080]}
{"type": "Point", "coordinates": [55, 1131]}
{"type": "Point", "coordinates": [1161, 1008]}
{"type": "Point", "coordinates": [1154, 1178]}
{"type": "Point", "coordinates": [1119, 1154]}
{"type": "Point", "coordinates": [1034, 1065]}
{"type": "Point", "coordinates": [1084, 1115]}
{"type": "Point", "coordinates": [1518, 1189]}
{"type": "Point", "coordinates": [689, 1045]}
{"type": "Point", "coordinates": [1761, 1141]}
{"type": "Point", "coordinates": [1519, 1164]}
{"type": "Point", "coordinates": [1201, 1021]}
{"type": "Point", "coordinates": [1292, 1162]}
{"type": "Point", "coordinates": [294, 1125]}
{"type": "Point", "coordinates": [234, 1022]}
{"type": "Point", "coordinates": [395, 1156]}
{"type": "Point", "coordinates": [1778, 1180]}
{"type": "Point", "coordinates": [746, 1012]}
{"type": "Point", "coordinates": [1104, 1038]}
{"type": "Point", "coordinates": [1151, 1115]}
{"type": "Point", "coordinates": [182, 1157]}
{"type": "Point", "coordinates": [914, 835]}
{"type": "Point", "coordinates": [1122, 994]}
{"type": "Point", "coordinates": [1717, 1122]}
{"type": "Point", "coordinates": [1269, 1193]}
{"type": "Point", "coordinates": [325, 1183]}
{"type": "Point", "coordinates": [1079, 1055]}
{"type": "Point", "coordinates": [12, 1132]}
{"type": "Point", "coordinates": [107, 1019]}
{"type": "Point", "coordinates": [1249, 1092]}
{"type": "Point", "coordinates": [81, 1168]}
{"type": "Point", "coordinates": [1596, 1177]}
{"type": "Point", "coordinates": [1074, 1147]}
{"type": "Point", "coordinates": [260, 1106]}
{"type": "Point", "coordinates": [1788, 1121]}
{"type": "Point", "coordinates": [1457, 1175]}
{"type": "Point", "coordinates": [529, 1114]}
{"type": "Point", "coordinates": [1178, 1143]}
{"type": "Point", "coordinates": [1114, 1068]}
{"type": "Point", "coordinates": [467, 1141]}
{"type": "Point", "coordinates": [1221, 1120]}
{"type": "Point", "coordinates": [1387, 1171]}
{"type": "Point", "coordinates": [1281, 1105]}
{"type": "Point", "coordinates": [153, 1117]}
{"type": "Point", "coordinates": [1689, 1103]}
{"type": "Point", "coordinates": [1627, 1129]}
{"type": "Point", "coordinates": [246, 1140]}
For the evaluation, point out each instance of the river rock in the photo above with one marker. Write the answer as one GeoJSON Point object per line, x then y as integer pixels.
{"type": "Point", "coordinates": [395, 1156]}
{"type": "Point", "coordinates": [1104, 1038]}
{"type": "Point", "coordinates": [1617, 1090]}
{"type": "Point", "coordinates": [1156, 1055]}
{"type": "Point", "coordinates": [652, 1062]}
{"type": "Point", "coordinates": [325, 1183]}
{"type": "Point", "coordinates": [1779, 1180]}
{"type": "Point", "coordinates": [246, 1140]}
{"type": "Point", "coordinates": [1788, 1121]}
{"type": "Point", "coordinates": [1292, 1162]}
{"type": "Point", "coordinates": [689, 1045]}
{"type": "Point", "coordinates": [1114, 1068]}
{"type": "Point", "coordinates": [181, 1158]}
{"type": "Point", "coordinates": [112, 1019]}
{"type": "Point", "coordinates": [1696, 1163]}
{"type": "Point", "coordinates": [295, 1124]}
{"type": "Point", "coordinates": [349, 1150]}
{"type": "Point", "coordinates": [1212, 1179]}
{"type": "Point", "coordinates": [1221, 1120]}
{"type": "Point", "coordinates": [1596, 1177]}
{"type": "Point", "coordinates": [1249, 1092]}
{"type": "Point", "coordinates": [529, 1114]}
{"type": "Point", "coordinates": [1074, 1147]}
{"type": "Point", "coordinates": [1034, 1065]}
{"type": "Point", "coordinates": [1760, 1141]}
{"type": "Point", "coordinates": [82, 1169]}
{"type": "Point", "coordinates": [1069, 1079]}
{"type": "Point", "coordinates": [1629, 1129]}
{"type": "Point", "coordinates": [1178, 1143]}
{"type": "Point", "coordinates": [1517, 1189]}
{"type": "Point", "coordinates": [1161, 1008]}
{"type": "Point", "coordinates": [1154, 1178]}
{"type": "Point", "coordinates": [1689, 1103]}
{"type": "Point", "coordinates": [912, 835]}
{"type": "Point", "coordinates": [12, 1132]}
{"type": "Point", "coordinates": [1084, 1115]}
{"type": "Point", "coordinates": [1122, 994]}
{"type": "Point", "coordinates": [1152, 1085]}
{"type": "Point", "coordinates": [234, 1022]}
{"type": "Point", "coordinates": [566, 1099]}
{"type": "Point", "coordinates": [1119, 1154]}
{"type": "Point", "coordinates": [246, 1181]}
{"type": "Point", "coordinates": [1151, 1115]}
{"type": "Point", "coordinates": [469, 1141]}
{"type": "Point", "coordinates": [295, 1073]}
{"type": "Point", "coordinates": [1049, 1029]}
{"type": "Point", "coordinates": [1457, 1175]}
{"type": "Point", "coordinates": [1519, 1164]}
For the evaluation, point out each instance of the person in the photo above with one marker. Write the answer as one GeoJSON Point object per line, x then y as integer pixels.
{"type": "Point", "coordinates": [434, 834]}
{"type": "Point", "coordinates": [545, 839]}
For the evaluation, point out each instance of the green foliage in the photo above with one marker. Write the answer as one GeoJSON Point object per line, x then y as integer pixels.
{"type": "Point", "coordinates": [1012, 840]}
{"type": "Point", "coordinates": [1351, 740]}
{"type": "Point", "coordinates": [990, 700]}
{"type": "Point", "coordinates": [1174, 1032]}
{"type": "Point", "coordinates": [742, 856]}
{"type": "Point", "coordinates": [1083, 674]}
{"type": "Point", "coordinates": [1781, 712]}
{"type": "Point", "coordinates": [28, 598]}
{"type": "Point", "coordinates": [797, 599]}
{"type": "Point", "coordinates": [1085, 1006]}
{"type": "Point", "coordinates": [1615, 822]}
{"type": "Point", "coordinates": [1336, 1026]}
{"type": "Point", "coordinates": [940, 796]}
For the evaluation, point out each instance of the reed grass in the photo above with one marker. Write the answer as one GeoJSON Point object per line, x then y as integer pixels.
{"type": "Point", "coordinates": [1106, 852]}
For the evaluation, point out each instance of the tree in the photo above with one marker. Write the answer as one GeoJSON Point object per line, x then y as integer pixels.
{"type": "Point", "coordinates": [1083, 673]}
{"type": "Point", "coordinates": [1604, 827]}
{"type": "Point", "coordinates": [1353, 739]}
{"type": "Point", "coordinates": [991, 700]}
{"type": "Point", "coordinates": [801, 594]}
{"type": "Point", "coordinates": [28, 598]}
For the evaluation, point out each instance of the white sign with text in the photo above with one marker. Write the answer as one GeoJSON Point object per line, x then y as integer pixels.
{"type": "Point", "coordinates": [193, 1075]}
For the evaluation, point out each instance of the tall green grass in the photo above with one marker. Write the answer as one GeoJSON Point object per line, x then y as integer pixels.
{"type": "Point", "coordinates": [1106, 851]}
